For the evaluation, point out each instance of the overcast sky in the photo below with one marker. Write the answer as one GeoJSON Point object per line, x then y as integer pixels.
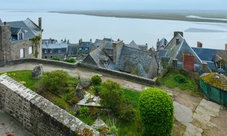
{"type": "Point", "coordinates": [113, 4]}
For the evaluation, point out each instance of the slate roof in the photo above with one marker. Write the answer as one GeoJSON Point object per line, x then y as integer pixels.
{"type": "Point", "coordinates": [72, 49]}
{"type": "Point", "coordinates": [131, 57]}
{"type": "Point", "coordinates": [56, 45]}
{"type": "Point", "coordinates": [132, 44]}
{"type": "Point", "coordinates": [207, 54]}
{"type": "Point", "coordinates": [30, 28]}
{"type": "Point", "coordinates": [163, 42]}
{"type": "Point", "coordinates": [177, 50]}
{"type": "Point", "coordinates": [107, 41]}
{"type": "Point", "coordinates": [15, 31]}
{"type": "Point", "coordinates": [85, 48]}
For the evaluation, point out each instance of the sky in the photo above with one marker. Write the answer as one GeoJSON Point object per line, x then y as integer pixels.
{"type": "Point", "coordinates": [113, 4]}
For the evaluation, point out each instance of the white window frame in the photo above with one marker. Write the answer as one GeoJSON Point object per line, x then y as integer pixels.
{"type": "Point", "coordinates": [30, 50]}
{"type": "Point", "coordinates": [22, 53]}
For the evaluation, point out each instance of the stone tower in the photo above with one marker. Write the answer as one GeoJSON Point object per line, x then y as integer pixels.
{"type": "Point", "coordinates": [5, 37]}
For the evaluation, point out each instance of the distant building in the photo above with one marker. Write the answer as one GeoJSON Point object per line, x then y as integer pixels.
{"type": "Point", "coordinates": [15, 40]}
{"type": "Point", "coordinates": [52, 48]}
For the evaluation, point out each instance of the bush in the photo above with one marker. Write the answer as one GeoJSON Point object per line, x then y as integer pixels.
{"type": "Point", "coordinates": [180, 79]}
{"type": "Point", "coordinates": [156, 112]}
{"type": "Point", "coordinates": [112, 96]}
{"type": "Point", "coordinates": [83, 112]}
{"type": "Point", "coordinates": [97, 89]}
{"type": "Point", "coordinates": [96, 80]}
{"type": "Point", "coordinates": [75, 100]}
{"type": "Point", "coordinates": [56, 58]}
{"type": "Point", "coordinates": [71, 60]}
{"type": "Point", "coordinates": [55, 80]}
{"type": "Point", "coordinates": [127, 113]}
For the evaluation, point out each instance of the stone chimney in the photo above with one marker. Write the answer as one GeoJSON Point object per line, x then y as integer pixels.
{"type": "Point", "coordinates": [117, 47]}
{"type": "Point", "coordinates": [90, 40]}
{"type": "Point", "coordinates": [40, 23]}
{"type": "Point", "coordinates": [177, 41]}
{"type": "Point", "coordinates": [199, 44]}
{"type": "Point", "coordinates": [80, 41]}
{"type": "Point", "coordinates": [226, 46]}
{"type": "Point", "coordinates": [177, 32]}
{"type": "Point", "coordinates": [5, 42]}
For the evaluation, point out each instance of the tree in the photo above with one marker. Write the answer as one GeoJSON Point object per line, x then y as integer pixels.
{"type": "Point", "coordinates": [156, 112]}
{"type": "Point", "coordinates": [96, 80]}
{"type": "Point", "coordinates": [111, 95]}
{"type": "Point", "coordinates": [54, 80]}
{"type": "Point", "coordinates": [35, 40]}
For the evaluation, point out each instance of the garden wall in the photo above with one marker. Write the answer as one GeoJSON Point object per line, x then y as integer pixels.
{"type": "Point", "coordinates": [37, 114]}
{"type": "Point", "coordinates": [118, 74]}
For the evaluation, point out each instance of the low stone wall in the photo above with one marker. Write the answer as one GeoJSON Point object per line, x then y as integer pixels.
{"type": "Point", "coordinates": [37, 114]}
{"type": "Point", "coordinates": [123, 75]}
{"type": "Point", "coordinates": [43, 61]}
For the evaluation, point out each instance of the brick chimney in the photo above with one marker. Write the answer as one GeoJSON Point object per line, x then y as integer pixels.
{"type": "Point", "coordinates": [117, 47]}
{"type": "Point", "coordinates": [188, 62]}
{"type": "Point", "coordinates": [226, 46]}
{"type": "Point", "coordinates": [199, 44]}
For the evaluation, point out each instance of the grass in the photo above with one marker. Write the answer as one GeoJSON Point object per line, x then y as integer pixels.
{"type": "Point", "coordinates": [24, 75]}
{"type": "Point", "coordinates": [132, 96]}
{"type": "Point", "coordinates": [190, 84]}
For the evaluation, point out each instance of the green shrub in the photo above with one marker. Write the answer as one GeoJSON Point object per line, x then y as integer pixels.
{"type": "Point", "coordinates": [56, 58]}
{"type": "Point", "coordinates": [55, 80]}
{"type": "Point", "coordinates": [83, 112]}
{"type": "Point", "coordinates": [70, 60]}
{"type": "Point", "coordinates": [180, 79]}
{"type": "Point", "coordinates": [96, 80]}
{"type": "Point", "coordinates": [97, 89]}
{"type": "Point", "coordinates": [112, 96]}
{"type": "Point", "coordinates": [156, 112]}
{"type": "Point", "coordinates": [75, 100]}
{"type": "Point", "coordinates": [127, 113]}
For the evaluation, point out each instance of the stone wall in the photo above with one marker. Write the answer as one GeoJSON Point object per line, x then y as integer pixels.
{"type": "Point", "coordinates": [43, 61]}
{"type": "Point", "coordinates": [37, 114]}
{"type": "Point", "coordinates": [5, 37]}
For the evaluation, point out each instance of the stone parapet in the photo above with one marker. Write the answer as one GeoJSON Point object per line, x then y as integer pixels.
{"type": "Point", "coordinates": [37, 114]}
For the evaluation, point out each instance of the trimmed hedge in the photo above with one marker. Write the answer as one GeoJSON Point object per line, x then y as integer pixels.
{"type": "Point", "coordinates": [156, 112]}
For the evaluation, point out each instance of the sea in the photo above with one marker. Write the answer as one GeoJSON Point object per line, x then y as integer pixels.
{"type": "Point", "coordinates": [74, 27]}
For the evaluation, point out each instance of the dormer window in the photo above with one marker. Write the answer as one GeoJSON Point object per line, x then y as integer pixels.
{"type": "Point", "coordinates": [21, 36]}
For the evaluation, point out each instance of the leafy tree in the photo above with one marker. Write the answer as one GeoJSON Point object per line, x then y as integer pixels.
{"type": "Point", "coordinates": [156, 112]}
{"type": "Point", "coordinates": [96, 80]}
{"type": "Point", "coordinates": [54, 80]}
{"type": "Point", "coordinates": [35, 40]}
{"type": "Point", "coordinates": [112, 96]}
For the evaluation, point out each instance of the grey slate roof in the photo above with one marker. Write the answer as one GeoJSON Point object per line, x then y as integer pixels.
{"type": "Point", "coordinates": [177, 50]}
{"type": "Point", "coordinates": [132, 44]}
{"type": "Point", "coordinates": [107, 41]}
{"type": "Point", "coordinates": [85, 48]}
{"type": "Point", "coordinates": [131, 57]}
{"type": "Point", "coordinates": [30, 28]}
{"type": "Point", "coordinates": [57, 45]}
{"type": "Point", "coordinates": [15, 31]}
{"type": "Point", "coordinates": [162, 43]}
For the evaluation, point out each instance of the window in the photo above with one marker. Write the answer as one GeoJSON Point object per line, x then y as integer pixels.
{"type": "Point", "coordinates": [45, 57]}
{"type": "Point", "coordinates": [59, 51]}
{"type": "Point", "coordinates": [30, 50]}
{"type": "Point", "coordinates": [45, 51]}
{"type": "Point", "coordinates": [51, 57]}
{"type": "Point", "coordinates": [80, 49]}
{"type": "Point", "coordinates": [86, 48]}
{"type": "Point", "coordinates": [22, 53]}
{"type": "Point", "coordinates": [20, 36]}
{"type": "Point", "coordinates": [51, 51]}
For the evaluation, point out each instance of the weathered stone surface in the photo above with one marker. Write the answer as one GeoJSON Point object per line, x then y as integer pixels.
{"type": "Point", "coordinates": [36, 113]}
{"type": "Point", "coordinates": [37, 72]}
{"type": "Point", "coordinates": [192, 130]}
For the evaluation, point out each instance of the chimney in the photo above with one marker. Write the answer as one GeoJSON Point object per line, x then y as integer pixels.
{"type": "Point", "coordinates": [176, 32]}
{"type": "Point", "coordinates": [117, 47]}
{"type": "Point", "coordinates": [199, 44]}
{"type": "Point", "coordinates": [90, 40]}
{"type": "Point", "coordinates": [177, 41]}
{"type": "Point", "coordinates": [225, 46]}
{"type": "Point", "coordinates": [40, 23]}
{"type": "Point", "coordinates": [4, 23]}
{"type": "Point", "coordinates": [80, 41]}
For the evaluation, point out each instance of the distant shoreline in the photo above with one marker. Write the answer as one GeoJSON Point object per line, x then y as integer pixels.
{"type": "Point", "coordinates": [207, 16]}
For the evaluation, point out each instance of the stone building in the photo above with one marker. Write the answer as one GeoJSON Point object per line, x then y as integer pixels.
{"type": "Point", "coordinates": [15, 40]}
{"type": "Point", "coordinates": [52, 48]}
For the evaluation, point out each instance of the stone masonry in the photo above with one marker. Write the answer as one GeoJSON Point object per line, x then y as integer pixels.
{"type": "Point", "coordinates": [37, 114]}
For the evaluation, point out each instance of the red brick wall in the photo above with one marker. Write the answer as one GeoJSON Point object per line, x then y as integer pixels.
{"type": "Point", "coordinates": [188, 62]}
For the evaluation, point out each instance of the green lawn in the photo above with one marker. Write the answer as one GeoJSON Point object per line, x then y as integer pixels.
{"type": "Point", "coordinates": [189, 84]}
